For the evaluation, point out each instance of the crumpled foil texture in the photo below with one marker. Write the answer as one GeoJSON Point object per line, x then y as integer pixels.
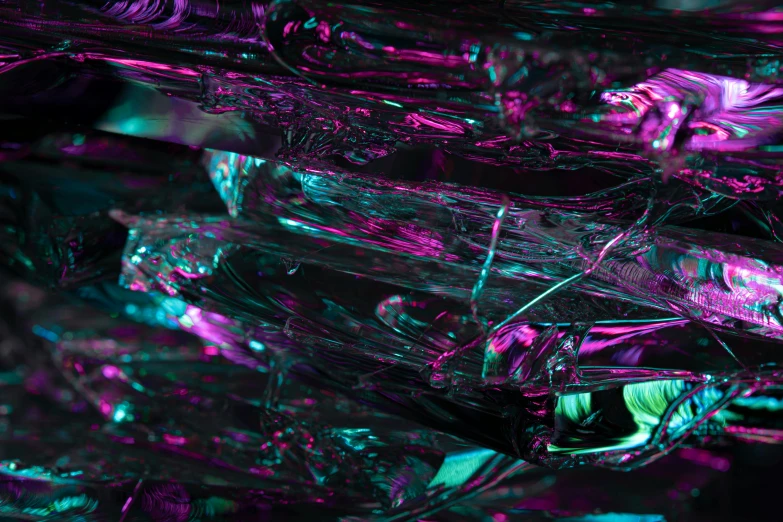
{"type": "Point", "coordinates": [390, 261]}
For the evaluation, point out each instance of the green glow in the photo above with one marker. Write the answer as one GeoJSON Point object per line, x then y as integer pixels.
{"type": "Point", "coordinates": [460, 466]}
{"type": "Point", "coordinates": [575, 408]}
{"type": "Point", "coordinates": [648, 401]}
{"type": "Point", "coordinates": [632, 441]}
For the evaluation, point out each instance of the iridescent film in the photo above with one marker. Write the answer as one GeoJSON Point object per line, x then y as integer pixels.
{"type": "Point", "coordinates": [374, 260]}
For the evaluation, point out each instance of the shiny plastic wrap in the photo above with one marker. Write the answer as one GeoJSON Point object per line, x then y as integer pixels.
{"type": "Point", "coordinates": [390, 261]}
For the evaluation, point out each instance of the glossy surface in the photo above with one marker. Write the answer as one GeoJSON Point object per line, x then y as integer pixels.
{"type": "Point", "coordinates": [386, 261]}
